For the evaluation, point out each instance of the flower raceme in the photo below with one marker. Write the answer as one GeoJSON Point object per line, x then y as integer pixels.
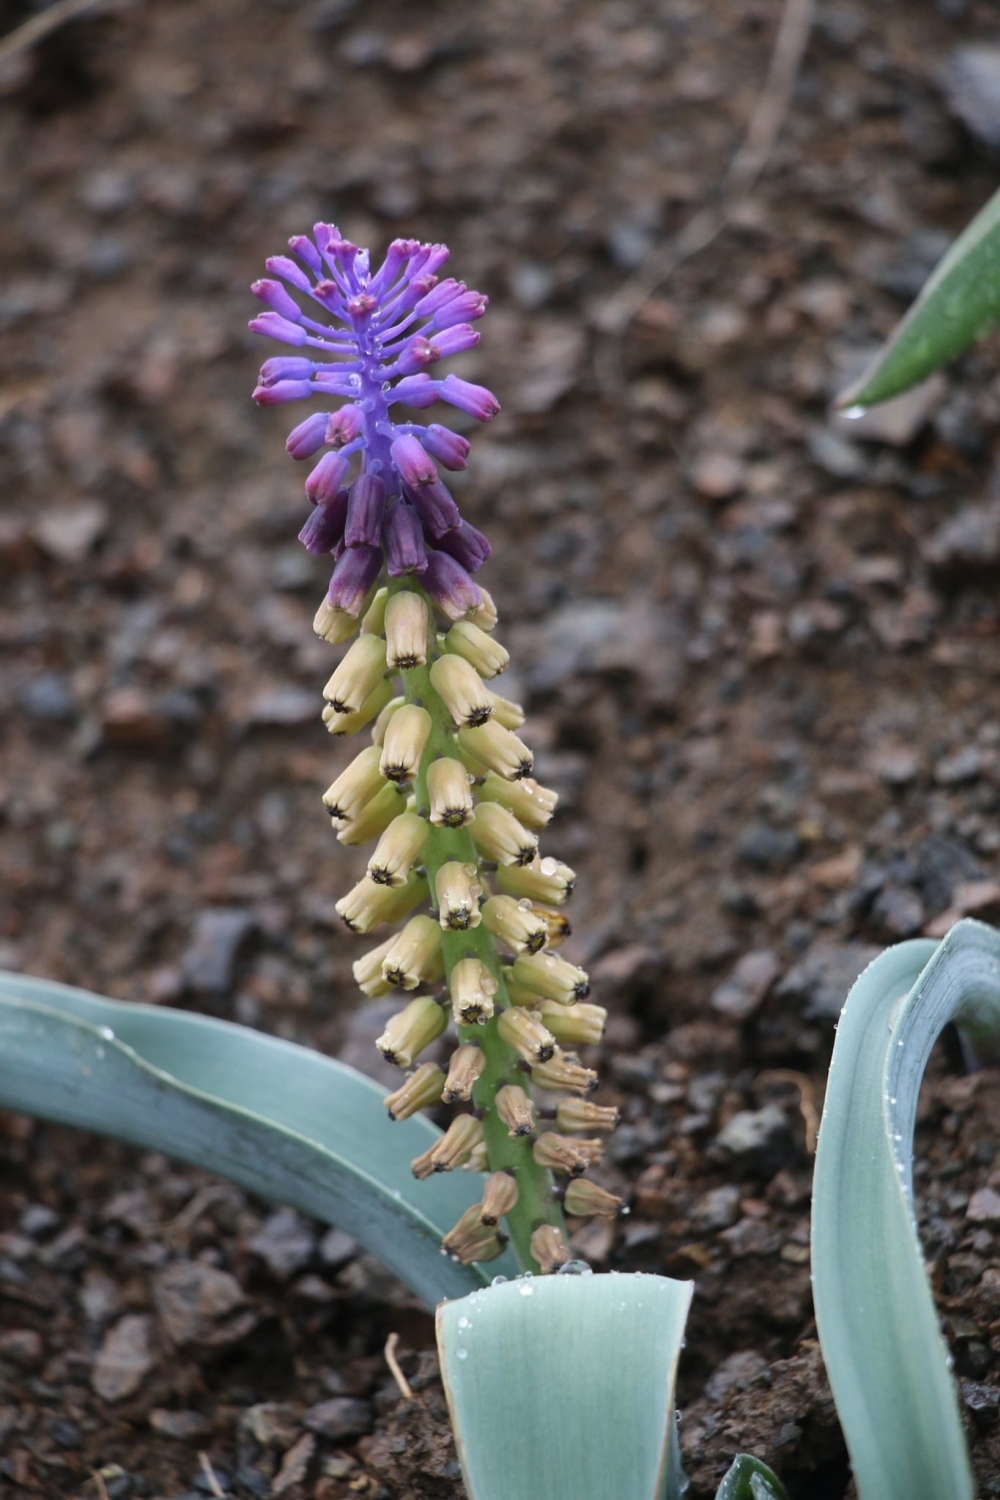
{"type": "Point", "coordinates": [378, 335]}
{"type": "Point", "coordinates": [445, 788]}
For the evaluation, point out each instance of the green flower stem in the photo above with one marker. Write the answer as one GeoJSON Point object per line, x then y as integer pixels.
{"type": "Point", "coordinates": [535, 1204]}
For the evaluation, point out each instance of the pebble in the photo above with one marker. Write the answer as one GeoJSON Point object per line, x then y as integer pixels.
{"type": "Point", "coordinates": [22, 1346]}
{"type": "Point", "coordinates": [971, 81]}
{"type": "Point", "coordinates": [751, 1237]}
{"type": "Point", "coordinates": [717, 1209]}
{"type": "Point", "coordinates": [294, 1465]}
{"type": "Point", "coordinates": [183, 1425]}
{"type": "Point", "coordinates": [209, 963]}
{"type": "Point", "coordinates": [283, 707]}
{"type": "Point", "coordinates": [966, 543]}
{"type": "Point", "coordinates": [823, 975]}
{"type": "Point", "coordinates": [759, 1139]}
{"type": "Point", "coordinates": [337, 1248]}
{"type": "Point", "coordinates": [964, 765]}
{"type": "Point", "coordinates": [744, 1368]}
{"type": "Point", "coordinates": [272, 1424]}
{"type": "Point", "coordinates": [199, 1304]}
{"type": "Point", "coordinates": [746, 988]}
{"type": "Point", "coordinates": [718, 476]}
{"type": "Point", "coordinates": [898, 912]}
{"type": "Point", "coordinates": [340, 1417]}
{"type": "Point", "coordinates": [285, 1243]}
{"type": "Point", "coordinates": [984, 1206]}
{"type": "Point", "coordinates": [767, 848]}
{"type": "Point", "coordinates": [48, 697]}
{"type": "Point", "coordinates": [67, 533]}
{"type": "Point", "coordinates": [125, 1358]}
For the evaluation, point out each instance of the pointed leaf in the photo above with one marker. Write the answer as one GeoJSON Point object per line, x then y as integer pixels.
{"type": "Point", "coordinates": [887, 1361]}
{"type": "Point", "coordinates": [562, 1387]}
{"type": "Point", "coordinates": [959, 304]}
{"type": "Point", "coordinates": [277, 1118]}
{"type": "Point", "coordinates": [749, 1479]}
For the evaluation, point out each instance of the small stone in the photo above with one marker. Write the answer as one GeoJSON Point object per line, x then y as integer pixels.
{"type": "Point", "coordinates": [272, 1424]}
{"type": "Point", "coordinates": [971, 81]}
{"type": "Point", "coordinates": [717, 1209]}
{"type": "Point", "coordinates": [283, 707]}
{"type": "Point", "coordinates": [967, 543]}
{"type": "Point", "coordinates": [965, 765]}
{"type": "Point", "coordinates": [100, 1297]}
{"type": "Point", "coordinates": [130, 718]}
{"type": "Point", "coordinates": [824, 974]}
{"type": "Point", "coordinates": [22, 1346]}
{"type": "Point", "coordinates": [896, 764]}
{"type": "Point", "coordinates": [759, 1139]}
{"type": "Point", "coordinates": [294, 1465]}
{"type": "Point", "coordinates": [185, 1426]}
{"type": "Point", "coordinates": [747, 986]}
{"type": "Point", "coordinates": [198, 1304]}
{"type": "Point", "coordinates": [211, 956]}
{"type": "Point", "coordinates": [67, 533]}
{"type": "Point", "coordinates": [767, 848]}
{"type": "Point", "coordinates": [984, 1206]}
{"type": "Point", "coordinates": [337, 1248]}
{"type": "Point", "coordinates": [340, 1417]}
{"type": "Point", "coordinates": [751, 1237]}
{"type": "Point", "coordinates": [47, 696]}
{"type": "Point", "coordinates": [718, 476]}
{"type": "Point", "coordinates": [898, 911]}
{"type": "Point", "coordinates": [125, 1358]}
{"type": "Point", "coordinates": [836, 456]}
{"type": "Point", "coordinates": [285, 1243]}
{"type": "Point", "coordinates": [38, 1220]}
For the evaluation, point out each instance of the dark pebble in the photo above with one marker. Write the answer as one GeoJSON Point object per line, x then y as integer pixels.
{"type": "Point", "coordinates": [767, 848]}
{"type": "Point", "coordinates": [47, 697]}
{"type": "Point", "coordinates": [340, 1417]}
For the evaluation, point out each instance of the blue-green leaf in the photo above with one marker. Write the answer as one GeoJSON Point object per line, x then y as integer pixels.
{"type": "Point", "coordinates": [959, 304]}
{"type": "Point", "coordinates": [562, 1387]}
{"type": "Point", "coordinates": [749, 1479]}
{"type": "Point", "coordinates": [277, 1118]}
{"type": "Point", "coordinates": [887, 1362]}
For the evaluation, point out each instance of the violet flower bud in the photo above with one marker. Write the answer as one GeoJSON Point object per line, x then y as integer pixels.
{"type": "Point", "coordinates": [343, 426]}
{"type": "Point", "coordinates": [353, 576]}
{"type": "Point", "coordinates": [325, 526]}
{"type": "Point", "coordinates": [414, 464]}
{"type": "Point", "coordinates": [276, 327]}
{"type": "Point", "coordinates": [327, 477]}
{"type": "Point", "coordinates": [460, 309]}
{"type": "Point", "coordinates": [449, 585]}
{"type": "Point", "coordinates": [308, 438]}
{"type": "Point", "coordinates": [438, 510]}
{"type": "Point", "coordinates": [403, 540]}
{"type": "Point", "coordinates": [450, 450]}
{"type": "Point", "coordinates": [275, 296]}
{"type": "Point", "coordinates": [416, 390]}
{"type": "Point", "coordinates": [365, 508]}
{"type": "Point", "coordinates": [281, 391]}
{"type": "Point", "coordinates": [466, 545]}
{"type": "Point", "coordinates": [285, 267]}
{"type": "Point", "coordinates": [418, 354]}
{"type": "Point", "coordinates": [454, 340]}
{"type": "Point", "coordinates": [286, 367]}
{"type": "Point", "coordinates": [476, 400]}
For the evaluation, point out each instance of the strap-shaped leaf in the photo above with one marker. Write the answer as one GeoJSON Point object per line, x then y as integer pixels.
{"type": "Point", "coordinates": [959, 304]}
{"type": "Point", "coordinates": [277, 1118]}
{"type": "Point", "coordinates": [878, 1327]}
{"type": "Point", "coordinates": [562, 1387]}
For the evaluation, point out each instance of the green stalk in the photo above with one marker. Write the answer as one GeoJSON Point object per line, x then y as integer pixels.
{"type": "Point", "coordinates": [535, 1204]}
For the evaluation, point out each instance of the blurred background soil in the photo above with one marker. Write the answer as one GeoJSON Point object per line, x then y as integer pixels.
{"type": "Point", "coordinates": [758, 645]}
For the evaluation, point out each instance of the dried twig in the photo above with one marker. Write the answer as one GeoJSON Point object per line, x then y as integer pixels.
{"type": "Point", "coordinates": [38, 27]}
{"type": "Point", "coordinates": [215, 1488]}
{"type": "Point", "coordinates": [393, 1363]}
{"type": "Point", "coordinates": [741, 175]}
{"type": "Point", "coordinates": [807, 1099]}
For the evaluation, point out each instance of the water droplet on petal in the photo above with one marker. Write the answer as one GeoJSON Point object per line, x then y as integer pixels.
{"type": "Point", "coordinates": [524, 904]}
{"type": "Point", "coordinates": [461, 1353]}
{"type": "Point", "coordinates": [463, 1322]}
{"type": "Point", "coordinates": [576, 1268]}
{"type": "Point", "coordinates": [499, 1281]}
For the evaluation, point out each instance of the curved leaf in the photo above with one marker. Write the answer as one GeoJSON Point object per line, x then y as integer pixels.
{"type": "Point", "coordinates": [749, 1479]}
{"type": "Point", "coordinates": [887, 1362]}
{"type": "Point", "coordinates": [562, 1387]}
{"type": "Point", "coordinates": [959, 304]}
{"type": "Point", "coordinates": [277, 1118]}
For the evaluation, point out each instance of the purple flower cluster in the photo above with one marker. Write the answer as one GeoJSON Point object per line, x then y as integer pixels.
{"type": "Point", "coordinates": [390, 326]}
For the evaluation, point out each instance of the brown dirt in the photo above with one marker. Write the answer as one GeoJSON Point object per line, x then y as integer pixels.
{"type": "Point", "coordinates": [759, 652]}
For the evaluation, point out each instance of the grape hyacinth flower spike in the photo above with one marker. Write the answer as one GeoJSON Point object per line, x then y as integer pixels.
{"type": "Point", "coordinates": [445, 788]}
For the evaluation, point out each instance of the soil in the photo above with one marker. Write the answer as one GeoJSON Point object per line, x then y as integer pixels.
{"type": "Point", "coordinates": [759, 646]}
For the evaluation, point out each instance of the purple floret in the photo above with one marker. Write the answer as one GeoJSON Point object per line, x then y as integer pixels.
{"type": "Point", "coordinates": [368, 338]}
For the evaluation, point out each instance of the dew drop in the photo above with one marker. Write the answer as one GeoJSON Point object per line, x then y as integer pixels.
{"type": "Point", "coordinates": [106, 1033]}
{"type": "Point", "coordinates": [524, 904]}
{"type": "Point", "coordinates": [386, 384]}
{"type": "Point", "coordinates": [575, 1268]}
{"type": "Point", "coordinates": [526, 1290]}
{"type": "Point", "coordinates": [463, 1322]}
{"type": "Point", "coordinates": [549, 866]}
{"type": "Point", "coordinates": [853, 413]}
{"type": "Point", "coordinates": [461, 1353]}
{"type": "Point", "coordinates": [499, 1281]}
